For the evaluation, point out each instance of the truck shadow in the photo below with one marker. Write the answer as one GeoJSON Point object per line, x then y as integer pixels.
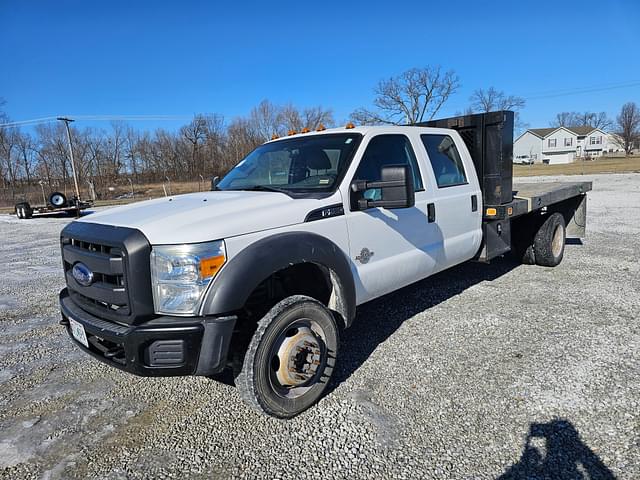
{"type": "Point", "coordinates": [377, 320]}
{"type": "Point", "coordinates": [554, 450]}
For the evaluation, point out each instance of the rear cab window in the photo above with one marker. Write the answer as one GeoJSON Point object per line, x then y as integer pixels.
{"type": "Point", "coordinates": [445, 159]}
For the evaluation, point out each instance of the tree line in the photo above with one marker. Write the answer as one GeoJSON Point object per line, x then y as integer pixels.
{"type": "Point", "coordinates": [208, 145]}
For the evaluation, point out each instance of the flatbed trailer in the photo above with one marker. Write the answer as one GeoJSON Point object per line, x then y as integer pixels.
{"type": "Point", "coordinates": [24, 210]}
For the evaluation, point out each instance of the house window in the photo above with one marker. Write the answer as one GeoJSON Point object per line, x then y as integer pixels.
{"type": "Point", "coordinates": [551, 142]}
{"type": "Point", "coordinates": [595, 140]}
{"type": "Point", "coordinates": [568, 142]}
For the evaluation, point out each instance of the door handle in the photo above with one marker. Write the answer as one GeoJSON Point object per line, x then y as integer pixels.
{"type": "Point", "coordinates": [431, 212]}
{"type": "Point", "coordinates": [474, 203]}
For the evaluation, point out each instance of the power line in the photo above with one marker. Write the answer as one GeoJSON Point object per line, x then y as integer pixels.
{"type": "Point", "coordinates": [36, 121]}
{"type": "Point", "coordinates": [580, 90]}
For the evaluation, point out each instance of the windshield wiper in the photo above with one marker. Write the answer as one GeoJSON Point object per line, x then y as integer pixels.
{"type": "Point", "coordinates": [264, 188]}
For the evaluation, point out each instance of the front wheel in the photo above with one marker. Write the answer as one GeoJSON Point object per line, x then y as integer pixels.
{"type": "Point", "coordinates": [290, 358]}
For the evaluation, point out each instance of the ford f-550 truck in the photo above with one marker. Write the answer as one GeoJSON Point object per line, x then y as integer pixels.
{"type": "Point", "coordinates": [263, 272]}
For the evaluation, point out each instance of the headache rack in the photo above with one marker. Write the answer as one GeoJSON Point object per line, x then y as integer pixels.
{"type": "Point", "coordinates": [489, 139]}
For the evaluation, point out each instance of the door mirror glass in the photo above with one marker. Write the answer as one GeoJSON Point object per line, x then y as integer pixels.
{"type": "Point", "coordinates": [394, 190]}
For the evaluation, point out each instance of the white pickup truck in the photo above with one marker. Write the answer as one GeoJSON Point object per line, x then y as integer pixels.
{"type": "Point", "coordinates": [263, 272]}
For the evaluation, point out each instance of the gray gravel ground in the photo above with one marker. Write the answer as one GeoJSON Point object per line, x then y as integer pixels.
{"type": "Point", "coordinates": [480, 372]}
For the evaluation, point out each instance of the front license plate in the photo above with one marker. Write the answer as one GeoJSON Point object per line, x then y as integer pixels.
{"type": "Point", "coordinates": [77, 330]}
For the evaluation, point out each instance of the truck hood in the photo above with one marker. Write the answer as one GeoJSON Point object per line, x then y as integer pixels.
{"type": "Point", "coordinates": [205, 216]}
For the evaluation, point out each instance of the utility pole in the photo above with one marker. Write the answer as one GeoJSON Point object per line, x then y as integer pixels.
{"type": "Point", "coordinates": [73, 163]}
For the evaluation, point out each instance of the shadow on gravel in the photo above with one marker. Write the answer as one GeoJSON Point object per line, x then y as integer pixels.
{"type": "Point", "coordinates": [562, 455]}
{"type": "Point", "coordinates": [379, 319]}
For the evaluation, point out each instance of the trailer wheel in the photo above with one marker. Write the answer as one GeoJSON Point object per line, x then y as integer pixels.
{"type": "Point", "coordinates": [27, 211]}
{"type": "Point", "coordinates": [290, 358]}
{"type": "Point", "coordinates": [57, 200]}
{"type": "Point", "coordinates": [24, 210]}
{"type": "Point", "coordinates": [550, 240]}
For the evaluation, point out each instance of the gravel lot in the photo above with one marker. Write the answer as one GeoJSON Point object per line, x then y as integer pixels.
{"type": "Point", "coordinates": [480, 372]}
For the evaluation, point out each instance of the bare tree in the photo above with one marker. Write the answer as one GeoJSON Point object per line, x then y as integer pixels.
{"type": "Point", "coordinates": [491, 100]}
{"type": "Point", "coordinates": [195, 133]}
{"type": "Point", "coordinates": [313, 117]}
{"type": "Point", "coordinates": [627, 133]}
{"type": "Point", "coordinates": [585, 119]}
{"type": "Point", "coordinates": [26, 148]}
{"type": "Point", "coordinates": [266, 120]}
{"type": "Point", "coordinates": [411, 97]}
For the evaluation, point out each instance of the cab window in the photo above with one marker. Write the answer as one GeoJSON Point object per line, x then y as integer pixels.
{"type": "Point", "coordinates": [392, 149]}
{"type": "Point", "coordinates": [445, 160]}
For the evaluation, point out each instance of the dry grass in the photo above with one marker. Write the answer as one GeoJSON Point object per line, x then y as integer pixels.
{"type": "Point", "coordinates": [602, 165]}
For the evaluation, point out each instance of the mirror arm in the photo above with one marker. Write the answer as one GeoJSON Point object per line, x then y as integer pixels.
{"type": "Point", "coordinates": [362, 185]}
{"type": "Point", "coordinates": [363, 204]}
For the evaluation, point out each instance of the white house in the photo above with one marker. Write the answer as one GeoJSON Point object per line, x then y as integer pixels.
{"type": "Point", "coordinates": [561, 144]}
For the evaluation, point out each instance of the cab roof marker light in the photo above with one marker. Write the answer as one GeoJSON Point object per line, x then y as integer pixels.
{"type": "Point", "coordinates": [305, 130]}
{"type": "Point", "coordinates": [275, 136]}
{"type": "Point", "coordinates": [349, 125]}
{"type": "Point", "coordinates": [320, 128]}
{"type": "Point", "coordinates": [291, 132]}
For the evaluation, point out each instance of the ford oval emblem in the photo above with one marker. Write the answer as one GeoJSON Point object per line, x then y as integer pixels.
{"type": "Point", "coordinates": [82, 274]}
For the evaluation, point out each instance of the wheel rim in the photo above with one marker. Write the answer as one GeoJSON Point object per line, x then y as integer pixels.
{"type": "Point", "coordinates": [557, 241]}
{"type": "Point", "coordinates": [57, 200]}
{"type": "Point", "coordinates": [297, 358]}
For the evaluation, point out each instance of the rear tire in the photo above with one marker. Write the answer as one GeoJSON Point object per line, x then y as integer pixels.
{"type": "Point", "coordinates": [522, 240]}
{"type": "Point", "coordinates": [290, 358]}
{"type": "Point", "coordinates": [549, 241]}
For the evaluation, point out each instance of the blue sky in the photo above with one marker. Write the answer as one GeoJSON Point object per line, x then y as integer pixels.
{"type": "Point", "coordinates": [180, 58]}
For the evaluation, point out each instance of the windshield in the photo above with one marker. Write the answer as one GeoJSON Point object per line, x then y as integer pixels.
{"type": "Point", "coordinates": [305, 164]}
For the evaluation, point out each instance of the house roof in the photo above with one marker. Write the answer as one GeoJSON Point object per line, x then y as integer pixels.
{"type": "Point", "coordinates": [542, 132]}
{"type": "Point", "coordinates": [580, 131]}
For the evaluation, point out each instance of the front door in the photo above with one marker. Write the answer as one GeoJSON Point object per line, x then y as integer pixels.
{"type": "Point", "coordinates": [390, 248]}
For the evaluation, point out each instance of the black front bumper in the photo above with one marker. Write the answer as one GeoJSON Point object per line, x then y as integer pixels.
{"type": "Point", "coordinates": [164, 346]}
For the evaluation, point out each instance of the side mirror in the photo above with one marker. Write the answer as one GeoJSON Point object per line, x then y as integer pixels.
{"type": "Point", "coordinates": [214, 182]}
{"type": "Point", "coordinates": [396, 186]}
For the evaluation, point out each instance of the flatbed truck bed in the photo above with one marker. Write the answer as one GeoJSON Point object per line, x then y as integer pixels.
{"type": "Point", "coordinates": [528, 197]}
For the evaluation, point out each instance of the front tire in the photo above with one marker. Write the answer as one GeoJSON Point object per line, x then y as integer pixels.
{"type": "Point", "coordinates": [290, 358]}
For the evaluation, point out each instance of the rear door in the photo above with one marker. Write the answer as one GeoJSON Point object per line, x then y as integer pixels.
{"type": "Point", "coordinates": [390, 248]}
{"type": "Point", "coordinates": [457, 200]}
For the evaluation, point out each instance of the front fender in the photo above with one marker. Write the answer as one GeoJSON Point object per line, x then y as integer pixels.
{"type": "Point", "coordinates": [257, 262]}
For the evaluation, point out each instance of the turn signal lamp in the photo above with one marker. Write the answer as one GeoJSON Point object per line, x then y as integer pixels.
{"type": "Point", "coordinates": [491, 212]}
{"type": "Point", "coordinates": [210, 266]}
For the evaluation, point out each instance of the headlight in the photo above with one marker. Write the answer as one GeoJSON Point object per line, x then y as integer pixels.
{"type": "Point", "coordinates": [180, 275]}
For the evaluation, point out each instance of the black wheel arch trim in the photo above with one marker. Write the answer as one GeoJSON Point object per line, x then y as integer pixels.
{"type": "Point", "coordinates": [257, 262]}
